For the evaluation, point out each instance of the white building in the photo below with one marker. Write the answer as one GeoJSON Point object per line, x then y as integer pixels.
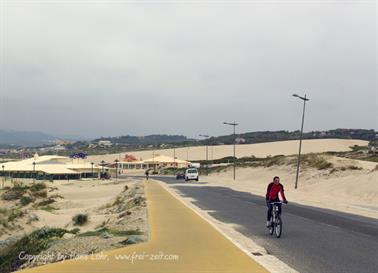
{"type": "Point", "coordinates": [50, 168]}
{"type": "Point", "coordinates": [158, 161]}
{"type": "Point", "coordinates": [105, 143]}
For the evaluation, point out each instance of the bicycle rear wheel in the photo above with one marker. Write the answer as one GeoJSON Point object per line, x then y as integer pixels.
{"type": "Point", "coordinates": [278, 226]}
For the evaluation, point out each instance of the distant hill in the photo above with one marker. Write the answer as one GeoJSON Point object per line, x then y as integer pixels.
{"type": "Point", "coordinates": [28, 139]}
{"type": "Point", "coordinates": [146, 140]}
{"type": "Point", "coordinates": [270, 136]}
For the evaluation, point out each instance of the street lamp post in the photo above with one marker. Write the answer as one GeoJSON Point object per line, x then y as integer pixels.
{"type": "Point", "coordinates": [33, 172]}
{"type": "Point", "coordinates": [3, 175]}
{"type": "Point", "coordinates": [301, 135]}
{"type": "Point", "coordinates": [207, 153]}
{"type": "Point", "coordinates": [234, 124]}
{"type": "Point", "coordinates": [92, 170]}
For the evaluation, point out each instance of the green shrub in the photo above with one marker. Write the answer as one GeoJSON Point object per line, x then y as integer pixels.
{"type": "Point", "coordinates": [38, 187]}
{"type": "Point", "coordinates": [80, 219]}
{"type": "Point", "coordinates": [25, 200]}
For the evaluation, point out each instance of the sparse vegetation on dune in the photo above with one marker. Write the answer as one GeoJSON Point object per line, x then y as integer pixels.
{"type": "Point", "coordinates": [358, 152]}
{"type": "Point", "coordinates": [19, 190]}
{"type": "Point", "coordinates": [124, 222]}
{"type": "Point", "coordinates": [316, 161]}
{"type": "Point", "coordinates": [8, 218]}
{"type": "Point", "coordinates": [111, 232]}
{"type": "Point", "coordinates": [31, 244]}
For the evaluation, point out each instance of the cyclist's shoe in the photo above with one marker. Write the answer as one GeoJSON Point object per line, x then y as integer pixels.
{"type": "Point", "coordinates": [268, 224]}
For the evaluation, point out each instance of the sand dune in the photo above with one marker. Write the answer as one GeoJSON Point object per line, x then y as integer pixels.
{"type": "Point", "coordinates": [258, 150]}
{"type": "Point", "coordinates": [353, 191]}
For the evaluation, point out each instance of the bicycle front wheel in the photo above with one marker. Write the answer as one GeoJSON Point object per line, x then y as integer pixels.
{"type": "Point", "coordinates": [278, 226]}
{"type": "Point", "coordinates": [271, 228]}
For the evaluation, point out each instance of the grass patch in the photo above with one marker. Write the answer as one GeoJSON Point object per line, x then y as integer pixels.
{"type": "Point", "coordinates": [119, 200]}
{"type": "Point", "coordinates": [137, 201]}
{"type": "Point", "coordinates": [117, 233]}
{"type": "Point", "coordinates": [75, 231]}
{"type": "Point", "coordinates": [372, 158]}
{"type": "Point", "coordinates": [39, 194]}
{"type": "Point", "coordinates": [45, 202]}
{"type": "Point", "coordinates": [31, 244]}
{"type": "Point", "coordinates": [14, 214]}
{"type": "Point", "coordinates": [48, 208]}
{"type": "Point", "coordinates": [19, 189]}
{"type": "Point", "coordinates": [352, 167]}
{"type": "Point", "coordinates": [314, 161]}
{"type": "Point", "coordinates": [357, 148]}
{"type": "Point", "coordinates": [15, 192]}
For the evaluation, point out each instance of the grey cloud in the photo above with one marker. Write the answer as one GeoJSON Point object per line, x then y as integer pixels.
{"type": "Point", "coordinates": [109, 69]}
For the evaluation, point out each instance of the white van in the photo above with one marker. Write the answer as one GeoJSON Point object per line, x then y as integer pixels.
{"type": "Point", "coordinates": [191, 174]}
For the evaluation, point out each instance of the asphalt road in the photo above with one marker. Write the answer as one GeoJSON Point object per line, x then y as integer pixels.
{"type": "Point", "coordinates": [313, 239]}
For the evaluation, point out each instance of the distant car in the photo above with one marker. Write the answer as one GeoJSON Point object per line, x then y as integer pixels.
{"type": "Point", "coordinates": [180, 175]}
{"type": "Point", "coordinates": [191, 174]}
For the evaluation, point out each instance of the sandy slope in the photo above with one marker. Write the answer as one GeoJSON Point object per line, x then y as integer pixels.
{"type": "Point", "coordinates": [85, 196]}
{"type": "Point", "coordinates": [258, 150]}
{"type": "Point", "coordinates": [354, 191]}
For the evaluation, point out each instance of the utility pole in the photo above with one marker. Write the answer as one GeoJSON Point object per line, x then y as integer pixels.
{"type": "Point", "coordinates": [301, 136]}
{"type": "Point", "coordinates": [207, 153]}
{"type": "Point", "coordinates": [234, 124]}
{"type": "Point", "coordinates": [116, 162]}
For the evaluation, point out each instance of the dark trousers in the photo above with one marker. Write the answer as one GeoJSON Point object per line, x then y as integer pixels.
{"type": "Point", "coordinates": [270, 209]}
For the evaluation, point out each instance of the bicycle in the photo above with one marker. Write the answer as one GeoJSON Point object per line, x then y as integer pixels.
{"type": "Point", "coordinates": [276, 221]}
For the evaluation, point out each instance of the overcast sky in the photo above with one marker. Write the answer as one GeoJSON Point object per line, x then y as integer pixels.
{"type": "Point", "coordinates": [100, 68]}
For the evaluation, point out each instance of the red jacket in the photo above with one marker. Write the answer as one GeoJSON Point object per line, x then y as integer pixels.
{"type": "Point", "coordinates": [273, 190]}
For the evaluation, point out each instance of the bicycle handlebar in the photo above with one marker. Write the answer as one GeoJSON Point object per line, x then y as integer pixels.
{"type": "Point", "coordinates": [274, 203]}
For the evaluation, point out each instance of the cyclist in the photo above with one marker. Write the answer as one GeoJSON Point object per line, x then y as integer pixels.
{"type": "Point", "coordinates": [272, 195]}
